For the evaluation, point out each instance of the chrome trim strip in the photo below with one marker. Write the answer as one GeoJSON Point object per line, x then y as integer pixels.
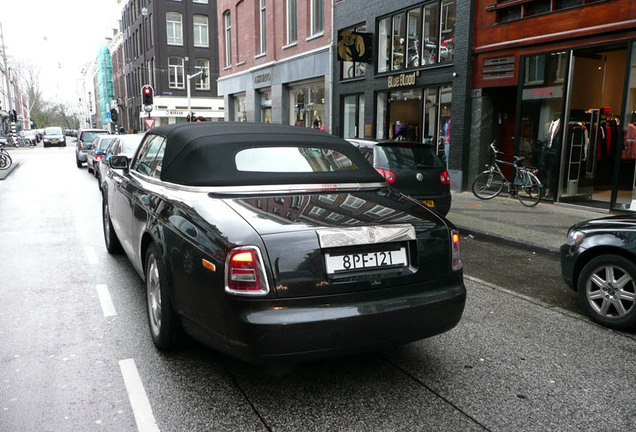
{"type": "Point", "coordinates": [251, 189]}
{"type": "Point", "coordinates": [354, 236]}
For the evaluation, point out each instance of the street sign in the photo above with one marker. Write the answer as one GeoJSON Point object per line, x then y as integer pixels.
{"type": "Point", "coordinates": [150, 122]}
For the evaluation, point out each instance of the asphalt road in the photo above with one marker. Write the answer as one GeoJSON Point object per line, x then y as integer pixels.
{"type": "Point", "coordinates": [75, 353]}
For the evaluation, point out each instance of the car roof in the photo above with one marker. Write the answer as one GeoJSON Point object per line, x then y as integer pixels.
{"type": "Point", "coordinates": [191, 148]}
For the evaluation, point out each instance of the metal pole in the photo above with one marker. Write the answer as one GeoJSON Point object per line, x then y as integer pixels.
{"type": "Point", "coordinates": [188, 78]}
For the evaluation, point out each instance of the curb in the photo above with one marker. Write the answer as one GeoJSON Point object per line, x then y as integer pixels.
{"type": "Point", "coordinates": [515, 243]}
{"type": "Point", "coordinates": [5, 173]}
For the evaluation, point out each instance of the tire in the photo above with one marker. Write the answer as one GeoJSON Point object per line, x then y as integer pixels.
{"type": "Point", "coordinates": [530, 195]}
{"type": "Point", "coordinates": [607, 291]}
{"type": "Point", "coordinates": [113, 246]}
{"type": "Point", "coordinates": [78, 162]}
{"type": "Point", "coordinates": [5, 161]}
{"type": "Point", "coordinates": [89, 168]}
{"type": "Point", "coordinates": [162, 320]}
{"type": "Point", "coordinates": [487, 185]}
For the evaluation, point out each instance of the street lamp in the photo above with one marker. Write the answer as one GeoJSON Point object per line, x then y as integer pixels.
{"type": "Point", "coordinates": [189, 77]}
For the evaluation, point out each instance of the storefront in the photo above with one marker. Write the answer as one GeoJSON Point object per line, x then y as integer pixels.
{"type": "Point", "coordinates": [407, 88]}
{"type": "Point", "coordinates": [576, 123]}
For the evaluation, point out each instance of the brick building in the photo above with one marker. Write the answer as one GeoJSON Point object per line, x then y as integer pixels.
{"type": "Point", "coordinates": [275, 61]}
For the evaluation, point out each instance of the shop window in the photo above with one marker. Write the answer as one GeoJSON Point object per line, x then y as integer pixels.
{"type": "Point", "coordinates": [240, 110]}
{"type": "Point", "coordinates": [534, 70]}
{"type": "Point", "coordinates": [353, 69]}
{"type": "Point", "coordinates": [420, 36]}
{"type": "Point", "coordinates": [353, 111]}
{"type": "Point", "coordinates": [266, 106]}
{"type": "Point", "coordinates": [307, 106]}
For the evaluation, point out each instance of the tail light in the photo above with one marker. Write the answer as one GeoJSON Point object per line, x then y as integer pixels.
{"type": "Point", "coordinates": [99, 157]}
{"type": "Point", "coordinates": [456, 260]}
{"type": "Point", "coordinates": [444, 178]}
{"type": "Point", "coordinates": [245, 272]}
{"type": "Point", "coordinates": [388, 175]}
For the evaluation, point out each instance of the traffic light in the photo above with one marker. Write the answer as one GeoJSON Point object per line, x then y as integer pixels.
{"type": "Point", "coordinates": [113, 115]}
{"type": "Point", "coordinates": [147, 95]}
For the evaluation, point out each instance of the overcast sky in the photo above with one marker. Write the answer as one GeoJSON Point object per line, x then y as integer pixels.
{"type": "Point", "coordinates": [57, 37]}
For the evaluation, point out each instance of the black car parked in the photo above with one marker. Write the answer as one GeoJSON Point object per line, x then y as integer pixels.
{"type": "Point", "coordinates": [413, 168]}
{"type": "Point", "coordinates": [599, 262]}
{"type": "Point", "coordinates": [273, 242]}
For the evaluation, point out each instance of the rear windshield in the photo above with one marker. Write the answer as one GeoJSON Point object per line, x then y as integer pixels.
{"type": "Point", "coordinates": [292, 160]}
{"type": "Point", "coordinates": [90, 136]}
{"type": "Point", "coordinates": [405, 157]}
{"type": "Point", "coordinates": [129, 143]}
{"type": "Point", "coordinates": [53, 131]}
{"type": "Point", "coordinates": [105, 142]}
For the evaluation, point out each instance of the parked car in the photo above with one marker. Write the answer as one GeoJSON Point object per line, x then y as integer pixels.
{"type": "Point", "coordinates": [125, 145]}
{"type": "Point", "coordinates": [413, 168]}
{"type": "Point", "coordinates": [53, 135]}
{"type": "Point", "coordinates": [31, 135]}
{"type": "Point", "coordinates": [96, 153]}
{"type": "Point", "coordinates": [84, 143]}
{"type": "Point", "coordinates": [274, 243]}
{"type": "Point", "coordinates": [598, 261]}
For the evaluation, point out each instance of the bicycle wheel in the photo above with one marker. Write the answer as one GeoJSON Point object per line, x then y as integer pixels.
{"type": "Point", "coordinates": [5, 161]}
{"type": "Point", "coordinates": [487, 185]}
{"type": "Point", "coordinates": [529, 193]}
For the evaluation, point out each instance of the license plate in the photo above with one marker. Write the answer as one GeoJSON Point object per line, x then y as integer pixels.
{"type": "Point", "coordinates": [365, 261]}
{"type": "Point", "coordinates": [53, 142]}
{"type": "Point", "coordinates": [429, 203]}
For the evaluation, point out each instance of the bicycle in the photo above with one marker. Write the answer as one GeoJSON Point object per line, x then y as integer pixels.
{"type": "Point", "coordinates": [491, 182]}
{"type": "Point", "coordinates": [5, 159]}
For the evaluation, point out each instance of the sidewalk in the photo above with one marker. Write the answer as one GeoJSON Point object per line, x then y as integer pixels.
{"type": "Point", "coordinates": [542, 228]}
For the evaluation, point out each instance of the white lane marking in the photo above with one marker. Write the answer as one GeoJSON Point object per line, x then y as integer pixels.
{"type": "Point", "coordinates": [106, 301]}
{"type": "Point", "coordinates": [137, 396]}
{"type": "Point", "coordinates": [91, 255]}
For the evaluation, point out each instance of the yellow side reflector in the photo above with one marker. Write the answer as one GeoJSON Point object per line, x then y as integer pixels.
{"type": "Point", "coordinates": [208, 265]}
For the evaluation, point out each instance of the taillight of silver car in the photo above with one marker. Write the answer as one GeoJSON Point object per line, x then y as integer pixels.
{"type": "Point", "coordinates": [456, 259]}
{"type": "Point", "coordinates": [245, 272]}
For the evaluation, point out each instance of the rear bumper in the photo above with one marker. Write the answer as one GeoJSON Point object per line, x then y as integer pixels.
{"type": "Point", "coordinates": [306, 330]}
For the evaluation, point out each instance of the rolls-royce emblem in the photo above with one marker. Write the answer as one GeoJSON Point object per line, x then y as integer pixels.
{"type": "Point", "coordinates": [419, 176]}
{"type": "Point", "coordinates": [372, 238]}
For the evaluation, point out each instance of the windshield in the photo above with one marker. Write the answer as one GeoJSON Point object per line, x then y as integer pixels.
{"type": "Point", "coordinates": [405, 157]}
{"type": "Point", "coordinates": [129, 143]}
{"type": "Point", "coordinates": [53, 131]}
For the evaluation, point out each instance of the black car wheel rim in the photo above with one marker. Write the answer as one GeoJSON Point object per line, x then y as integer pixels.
{"type": "Point", "coordinates": [153, 287]}
{"type": "Point", "coordinates": [611, 292]}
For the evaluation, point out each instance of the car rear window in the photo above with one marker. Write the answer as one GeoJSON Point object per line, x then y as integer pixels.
{"type": "Point", "coordinates": [406, 156]}
{"type": "Point", "coordinates": [90, 136]}
{"type": "Point", "coordinates": [105, 142]}
{"type": "Point", "coordinates": [292, 160]}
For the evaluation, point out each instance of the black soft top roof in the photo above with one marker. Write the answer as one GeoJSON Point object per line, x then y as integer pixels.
{"type": "Point", "coordinates": [203, 154]}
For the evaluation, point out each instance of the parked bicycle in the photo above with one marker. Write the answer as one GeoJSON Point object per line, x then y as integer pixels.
{"type": "Point", "coordinates": [491, 182]}
{"type": "Point", "coordinates": [5, 159]}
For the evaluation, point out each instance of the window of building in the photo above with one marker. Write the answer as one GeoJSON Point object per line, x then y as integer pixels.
{"type": "Point", "coordinates": [353, 112]}
{"type": "Point", "coordinates": [292, 23]}
{"type": "Point", "coordinates": [174, 28]}
{"type": "Point", "coordinates": [240, 108]}
{"type": "Point", "coordinates": [262, 28]}
{"type": "Point", "coordinates": [421, 36]}
{"type": "Point", "coordinates": [176, 72]}
{"type": "Point", "coordinates": [534, 69]}
{"type": "Point", "coordinates": [317, 17]}
{"type": "Point", "coordinates": [511, 10]}
{"type": "Point", "coordinates": [352, 203]}
{"type": "Point", "coordinates": [200, 23]}
{"type": "Point", "coordinates": [316, 211]}
{"type": "Point", "coordinates": [350, 69]}
{"type": "Point", "coordinates": [379, 211]}
{"type": "Point", "coordinates": [228, 38]}
{"type": "Point", "coordinates": [334, 217]}
{"type": "Point", "coordinates": [202, 81]}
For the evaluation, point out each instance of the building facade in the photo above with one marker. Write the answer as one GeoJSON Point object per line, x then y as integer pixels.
{"type": "Point", "coordinates": [275, 61]}
{"type": "Point", "coordinates": [555, 82]}
{"type": "Point", "coordinates": [116, 50]}
{"type": "Point", "coordinates": [414, 82]}
{"type": "Point", "coordinates": [166, 42]}
{"type": "Point", "coordinates": [104, 89]}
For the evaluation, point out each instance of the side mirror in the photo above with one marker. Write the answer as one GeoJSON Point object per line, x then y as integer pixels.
{"type": "Point", "coordinates": [118, 162]}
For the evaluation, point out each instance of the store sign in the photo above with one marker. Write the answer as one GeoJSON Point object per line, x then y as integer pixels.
{"type": "Point", "coordinates": [171, 113]}
{"type": "Point", "coordinates": [402, 80]}
{"type": "Point", "coordinates": [354, 46]}
{"type": "Point", "coordinates": [543, 93]}
{"type": "Point", "coordinates": [262, 79]}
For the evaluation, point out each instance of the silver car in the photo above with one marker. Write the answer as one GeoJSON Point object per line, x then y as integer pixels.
{"type": "Point", "coordinates": [84, 143]}
{"type": "Point", "coordinates": [125, 145]}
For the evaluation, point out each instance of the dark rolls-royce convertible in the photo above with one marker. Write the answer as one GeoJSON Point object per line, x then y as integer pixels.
{"type": "Point", "coordinates": [272, 243]}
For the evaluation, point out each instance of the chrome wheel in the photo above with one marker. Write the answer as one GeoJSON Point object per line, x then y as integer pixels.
{"type": "Point", "coordinates": [610, 291]}
{"type": "Point", "coordinates": [153, 289]}
{"type": "Point", "coordinates": [607, 291]}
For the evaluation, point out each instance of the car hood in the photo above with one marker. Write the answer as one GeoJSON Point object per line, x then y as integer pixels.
{"type": "Point", "coordinates": [612, 223]}
{"type": "Point", "coordinates": [295, 228]}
